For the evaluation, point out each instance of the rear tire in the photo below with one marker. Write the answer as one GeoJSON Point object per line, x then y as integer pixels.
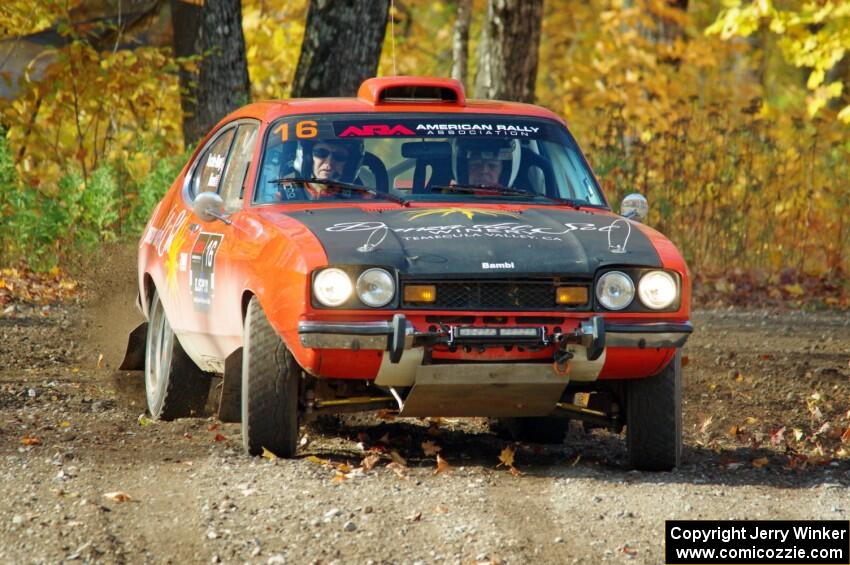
{"type": "Point", "coordinates": [654, 419]}
{"type": "Point", "coordinates": [174, 386]}
{"type": "Point", "coordinates": [270, 379]}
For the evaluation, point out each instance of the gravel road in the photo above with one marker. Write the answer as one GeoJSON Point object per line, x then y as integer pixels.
{"type": "Point", "coordinates": [84, 476]}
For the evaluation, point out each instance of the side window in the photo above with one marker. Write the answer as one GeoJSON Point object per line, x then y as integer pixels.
{"type": "Point", "coordinates": [233, 186]}
{"type": "Point", "coordinates": [207, 176]}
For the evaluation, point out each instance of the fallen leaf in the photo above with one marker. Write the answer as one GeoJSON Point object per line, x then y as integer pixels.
{"type": "Point", "coordinates": [442, 465]}
{"type": "Point", "coordinates": [515, 472]}
{"type": "Point", "coordinates": [318, 460]}
{"type": "Point", "coordinates": [794, 289]}
{"type": "Point", "coordinates": [268, 455]}
{"type": "Point", "coordinates": [760, 462]}
{"type": "Point", "coordinates": [339, 477]}
{"type": "Point", "coordinates": [28, 440]}
{"type": "Point", "coordinates": [187, 435]}
{"type": "Point", "coordinates": [734, 431]}
{"type": "Point", "coordinates": [144, 420]}
{"type": "Point", "coordinates": [630, 551]}
{"type": "Point", "coordinates": [798, 434]}
{"type": "Point", "coordinates": [386, 414]}
{"type": "Point", "coordinates": [398, 458]}
{"type": "Point", "coordinates": [415, 517]}
{"type": "Point", "coordinates": [845, 437]}
{"type": "Point", "coordinates": [219, 437]}
{"type": "Point", "coordinates": [369, 462]}
{"type": "Point", "coordinates": [430, 448]}
{"type": "Point", "coordinates": [685, 360]}
{"type": "Point", "coordinates": [212, 427]}
{"type": "Point", "coordinates": [822, 430]}
{"type": "Point", "coordinates": [398, 469]}
{"type": "Point", "coordinates": [750, 420]}
{"type": "Point", "coordinates": [118, 496]}
{"type": "Point", "coordinates": [65, 424]}
{"type": "Point", "coordinates": [344, 468]}
{"type": "Point", "coordinates": [440, 509]}
{"type": "Point", "coordinates": [100, 361]}
{"type": "Point", "coordinates": [507, 457]}
{"type": "Point", "coordinates": [778, 436]}
{"type": "Point", "coordinates": [703, 427]}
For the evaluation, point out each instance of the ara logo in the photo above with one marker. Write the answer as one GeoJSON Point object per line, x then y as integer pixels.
{"type": "Point", "coordinates": [371, 130]}
{"type": "Point", "coordinates": [508, 265]}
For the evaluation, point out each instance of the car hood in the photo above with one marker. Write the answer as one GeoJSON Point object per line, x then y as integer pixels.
{"type": "Point", "coordinates": [462, 241]}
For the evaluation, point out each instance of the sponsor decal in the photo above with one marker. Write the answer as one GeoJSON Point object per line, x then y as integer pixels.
{"type": "Point", "coordinates": [173, 244]}
{"type": "Point", "coordinates": [202, 270]}
{"type": "Point", "coordinates": [618, 238]}
{"type": "Point", "coordinates": [184, 262]}
{"type": "Point", "coordinates": [504, 230]}
{"type": "Point", "coordinates": [451, 129]}
{"type": "Point", "coordinates": [508, 265]}
{"type": "Point", "coordinates": [468, 212]}
{"type": "Point", "coordinates": [372, 130]}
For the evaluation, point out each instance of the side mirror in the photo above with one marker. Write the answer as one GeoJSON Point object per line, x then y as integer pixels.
{"type": "Point", "coordinates": [634, 207]}
{"type": "Point", "coordinates": [209, 206]}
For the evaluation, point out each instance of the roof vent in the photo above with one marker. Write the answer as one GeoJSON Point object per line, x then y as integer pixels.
{"type": "Point", "coordinates": [412, 90]}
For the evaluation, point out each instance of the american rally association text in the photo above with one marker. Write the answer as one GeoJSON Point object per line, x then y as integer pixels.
{"type": "Point", "coordinates": [726, 534]}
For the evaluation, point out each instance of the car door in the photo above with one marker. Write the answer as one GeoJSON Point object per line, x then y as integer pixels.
{"type": "Point", "coordinates": [193, 251]}
{"type": "Point", "coordinates": [214, 285]}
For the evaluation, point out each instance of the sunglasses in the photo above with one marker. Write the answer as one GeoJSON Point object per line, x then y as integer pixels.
{"type": "Point", "coordinates": [322, 153]}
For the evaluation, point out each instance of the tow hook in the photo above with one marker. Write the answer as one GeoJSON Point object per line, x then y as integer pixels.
{"type": "Point", "coordinates": [561, 364]}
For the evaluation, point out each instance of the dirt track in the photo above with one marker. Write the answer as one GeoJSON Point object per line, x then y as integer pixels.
{"type": "Point", "coordinates": [196, 498]}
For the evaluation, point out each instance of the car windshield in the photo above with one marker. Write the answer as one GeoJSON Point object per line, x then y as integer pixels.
{"type": "Point", "coordinates": [423, 157]}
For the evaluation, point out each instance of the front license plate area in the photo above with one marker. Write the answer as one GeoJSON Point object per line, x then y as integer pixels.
{"type": "Point", "coordinates": [470, 335]}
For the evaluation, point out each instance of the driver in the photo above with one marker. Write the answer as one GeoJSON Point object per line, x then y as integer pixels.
{"type": "Point", "coordinates": [486, 162]}
{"type": "Point", "coordinates": [328, 159]}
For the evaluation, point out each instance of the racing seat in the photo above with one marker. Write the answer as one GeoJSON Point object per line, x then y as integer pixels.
{"type": "Point", "coordinates": [441, 174]}
{"type": "Point", "coordinates": [529, 162]}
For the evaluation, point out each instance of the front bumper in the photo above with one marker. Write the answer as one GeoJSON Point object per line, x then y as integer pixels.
{"type": "Point", "coordinates": [399, 334]}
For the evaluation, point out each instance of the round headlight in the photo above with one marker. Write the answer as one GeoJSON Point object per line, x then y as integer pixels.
{"type": "Point", "coordinates": [615, 290]}
{"type": "Point", "coordinates": [375, 287]}
{"type": "Point", "coordinates": [657, 290]}
{"type": "Point", "coordinates": [332, 287]}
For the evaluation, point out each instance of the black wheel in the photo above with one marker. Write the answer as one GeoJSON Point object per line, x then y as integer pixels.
{"type": "Point", "coordinates": [537, 429]}
{"type": "Point", "coordinates": [270, 378]}
{"type": "Point", "coordinates": [174, 386]}
{"type": "Point", "coordinates": [654, 419]}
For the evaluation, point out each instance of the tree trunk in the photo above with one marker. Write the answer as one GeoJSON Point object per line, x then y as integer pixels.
{"type": "Point", "coordinates": [341, 47]}
{"type": "Point", "coordinates": [507, 51]}
{"type": "Point", "coordinates": [213, 31]}
{"type": "Point", "coordinates": [460, 41]}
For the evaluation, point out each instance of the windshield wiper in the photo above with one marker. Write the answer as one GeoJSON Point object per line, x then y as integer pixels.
{"type": "Point", "coordinates": [345, 185]}
{"type": "Point", "coordinates": [498, 191]}
{"type": "Point", "coordinates": [490, 189]}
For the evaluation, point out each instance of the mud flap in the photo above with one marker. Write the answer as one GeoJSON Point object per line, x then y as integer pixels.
{"type": "Point", "coordinates": [134, 358]}
{"type": "Point", "coordinates": [230, 402]}
{"type": "Point", "coordinates": [485, 390]}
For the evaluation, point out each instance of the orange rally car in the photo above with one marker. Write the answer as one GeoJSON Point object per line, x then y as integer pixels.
{"type": "Point", "coordinates": [411, 250]}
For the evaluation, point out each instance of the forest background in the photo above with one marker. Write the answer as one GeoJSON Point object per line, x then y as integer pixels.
{"type": "Point", "coordinates": [730, 116]}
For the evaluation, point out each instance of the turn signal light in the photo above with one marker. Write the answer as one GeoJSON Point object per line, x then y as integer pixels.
{"type": "Point", "coordinates": [571, 295]}
{"type": "Point", "coordinates": [420, 293]}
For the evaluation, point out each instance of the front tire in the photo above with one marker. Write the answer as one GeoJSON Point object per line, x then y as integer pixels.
{"type": "Point", "coordinates": [174, 386]}
{"type": "Point", "coordinates": [654, 419]}
{"type": "Point", "coordinates": [270, 379]}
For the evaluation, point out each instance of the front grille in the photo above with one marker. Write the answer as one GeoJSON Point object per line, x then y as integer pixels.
{"type": "Point", "coordinates": [493, 295]}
